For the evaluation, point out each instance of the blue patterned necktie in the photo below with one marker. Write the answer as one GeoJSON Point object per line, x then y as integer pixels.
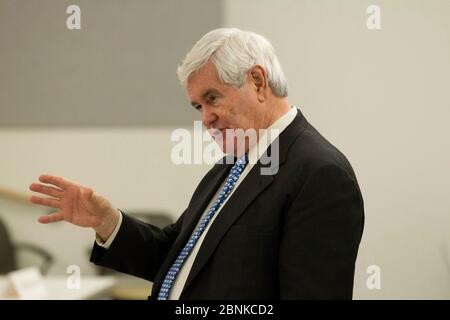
{"type": "Point", "coordinates": [171, 275]}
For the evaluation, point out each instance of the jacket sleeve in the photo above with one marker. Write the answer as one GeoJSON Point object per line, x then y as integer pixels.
{"type": "Point", "coordinates": [138, 249]}
{"type": "Point", "coordinates": [321, 236]}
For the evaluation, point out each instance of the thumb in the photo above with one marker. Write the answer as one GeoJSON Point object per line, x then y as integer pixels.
{"type": "Point", "coordinates": [87, 194]}
{"type": "Point", "coordinates": [93, 200]}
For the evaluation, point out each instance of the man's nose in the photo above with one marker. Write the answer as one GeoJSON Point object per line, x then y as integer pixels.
{"type": "Point", "coordinates": [208, 116]}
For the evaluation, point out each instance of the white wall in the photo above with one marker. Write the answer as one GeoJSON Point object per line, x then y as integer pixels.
{"type": "Point", "coordinates": [381, 97]}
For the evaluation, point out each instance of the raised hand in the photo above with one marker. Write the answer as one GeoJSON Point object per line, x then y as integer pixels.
{"type": "Point", "coordinates": [75, 203]}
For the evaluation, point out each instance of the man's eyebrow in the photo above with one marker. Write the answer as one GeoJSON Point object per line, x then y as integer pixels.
{"type": "Point", "coordinates": [205, 95]}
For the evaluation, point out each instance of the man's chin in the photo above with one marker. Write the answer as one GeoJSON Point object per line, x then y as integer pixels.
{"type": "Point", "coordinates": [226, 149]}
{"type": "Point", "coordinates": [231, 145]}
{"type": "Point", "coordinates": [236, 151]}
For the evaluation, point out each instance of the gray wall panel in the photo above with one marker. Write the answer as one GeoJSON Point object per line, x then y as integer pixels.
{"type": "Point", "coordinates": [119, 69]}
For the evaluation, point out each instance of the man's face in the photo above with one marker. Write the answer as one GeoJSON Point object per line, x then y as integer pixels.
{"type": "Point", "coordinates": [223, 107]}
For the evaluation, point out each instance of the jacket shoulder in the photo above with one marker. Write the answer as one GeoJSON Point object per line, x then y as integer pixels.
{"type": "Point", "coordinates": [312, 151]}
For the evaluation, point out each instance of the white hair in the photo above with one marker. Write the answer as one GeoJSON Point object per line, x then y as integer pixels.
{"type": "Point", "coordinates": [233, 52]}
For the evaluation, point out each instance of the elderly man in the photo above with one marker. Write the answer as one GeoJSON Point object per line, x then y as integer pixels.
{"type": "Point", "coordinates": [293, 234]}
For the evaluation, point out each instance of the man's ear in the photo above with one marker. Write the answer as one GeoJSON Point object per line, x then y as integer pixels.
{"type": "Point", "coordinates": [258, 76]}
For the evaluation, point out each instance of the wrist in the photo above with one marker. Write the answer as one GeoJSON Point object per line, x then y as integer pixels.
{"type": "Point", "coordinates": [107, 226]}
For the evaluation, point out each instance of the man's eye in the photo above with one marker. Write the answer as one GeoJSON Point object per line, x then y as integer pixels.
{"type": "Point", "coordinates": [212, 98]}
{"type": "Point", "coordinates": [198, 107]}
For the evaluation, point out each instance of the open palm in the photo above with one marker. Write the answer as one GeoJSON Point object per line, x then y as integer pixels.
{"type": "Point", "coordinates": [76, 204]}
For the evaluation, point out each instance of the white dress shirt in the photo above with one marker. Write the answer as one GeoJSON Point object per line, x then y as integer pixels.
{"type": "Point", "coordinates": [253, 156]}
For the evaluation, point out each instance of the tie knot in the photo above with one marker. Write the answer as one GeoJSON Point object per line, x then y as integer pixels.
{"type": "Point", "coordinates": [242, 161]}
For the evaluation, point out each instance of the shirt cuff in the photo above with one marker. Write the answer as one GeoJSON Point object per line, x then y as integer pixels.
{"type": "Point", "coordinates": [111, 238]}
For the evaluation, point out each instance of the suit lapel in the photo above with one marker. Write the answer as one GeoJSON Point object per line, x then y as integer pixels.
{"type": "Point", "coordinates": [247, 191]}
{"type": "Point", "coordinates": [200, 200]}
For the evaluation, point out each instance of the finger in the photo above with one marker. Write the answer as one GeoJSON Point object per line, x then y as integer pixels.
{"type": "Point", "coordinates": [48, 202]}
{"type": "Point", "coordinates": [48, 190]}
{"type": "Point", "coordinates": [59, 182]}
{"type": "Point", "coordinates": [53, 217]}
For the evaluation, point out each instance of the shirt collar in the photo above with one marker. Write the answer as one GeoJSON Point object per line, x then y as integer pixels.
{"type": "Point", "coordinates": [268, 135]}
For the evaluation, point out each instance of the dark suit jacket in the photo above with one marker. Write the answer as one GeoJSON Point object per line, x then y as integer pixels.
{"type": "Point", "coordinates": [293, 235]}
